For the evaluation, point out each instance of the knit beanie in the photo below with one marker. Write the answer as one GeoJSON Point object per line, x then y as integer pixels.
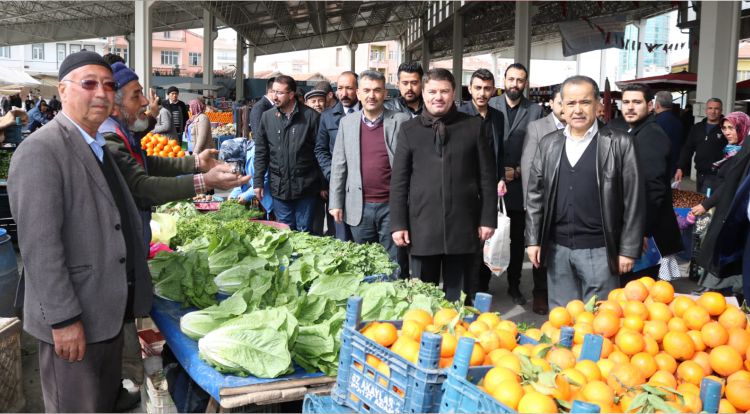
{"type": "Point", "coordinates": [123, 74]}
{"type": "Point", "coordinates": [79, 59]}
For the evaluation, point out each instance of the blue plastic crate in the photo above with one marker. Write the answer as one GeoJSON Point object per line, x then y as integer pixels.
{"type": "Point", "coordinates": [317, 404]}
{"type": "Point", "coordinates": [460, 391]}
{"type": "Point", "coordinates": [410, 388]}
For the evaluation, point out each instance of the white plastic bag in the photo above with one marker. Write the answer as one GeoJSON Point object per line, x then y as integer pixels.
{"type": "Point", "coordinates": [497, 248]}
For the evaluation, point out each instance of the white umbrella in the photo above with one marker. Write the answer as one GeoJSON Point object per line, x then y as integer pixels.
{"type": "Point", "coordinates": [10, 79]}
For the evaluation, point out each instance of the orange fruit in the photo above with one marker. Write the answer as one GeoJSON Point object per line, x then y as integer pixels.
{"type": "Point", "coordinates": [506, 338]}
{"type": "Point", "coordinates": [420, 316]}
{"type": "Point", "coordinates": [713, 302]}
{"type": "Point", "coordinates": [181, 154]}
{"type": "Point", "coordinates": [606, 324]}
{"type": "Point", "coordinates": [619, 357]}
{"type": "Point", "coordinates": [610, 306]}
{"type": "Point", "coordinates": [662, 291]}
{"type": "Point", "coordinates": [702, 359]}
{"type": "Point", "coordinates": [585, 317]}
{"type": "Point", "coordinates": [733, 317]}
{"type": "Point", "coordinates": [561, 357]}
{"type": "Point", "coordinates": [491, 319]}
{"type": "Point", "coordinates": [575, 307]}
{"type": "Point", "coordinates": [535, 402]}
{"type": "Point", "coordinates": [541, 363]}
{"type": "Point", "coordinates": [739, 339]}
{"type": "Point", "coordinates": [651, 346]}
{"type": "Point", "coordinates": [726, 407]}
{"type": "Point", "coordinates": [737, 393]}
{"type": "Point", "coordinates": [477, 327]}
{"type": "Point", "coordinates": [385, 334]}
{"type": "Point", "coordinates": [692, 403]}
{"type": "Point", "coordinates": [680, 304]}
{"type": "Point", "coordinates": [489, 341]}
{"type": "Point", "coordinates": [645, 362]}
{"type": "Point", "coordinates": [663, 378]}
{"type": "Point", "coordinates": [444, 316]}
{"type": "Point", "coordinates": [172, 142]}
{"type": "Point", "coordinates": [560, 317]}
{"type": "Point", "coordinates": [598, 392]}
{"type": "Point", "coordinates": [647, 281]}
{"type": "Point", "coordinates": [523, 350]}
{"type": "Point", "coordinates": [607, 347]}
{"type": "Point", "coordinates": [695, 317]}
{"type": "Point", "coordinates": [615, 295]}
{"type": "Point", "coordinates": [412, 329]}
{"type": "Point", "coordinates": [690, 371]}
{"type": "Point", "coordinates": [688, 388]}
{"type": "Point", "coordinates": [409, 350]}
{"type": "Point", "coordinates": [508, 393]}
{"type": "Point", "coordinates": [162, 139]}
{"type": "Point", "coordinates": [509, 326]}
{"type": "Point", "coordinates": [496, 375]}
{"type": "Point", "coordinates": [635, 290]}
{"type": "Point", "coordinates": [714, 334]}
{"type": "Point", "coordinates": [725, 360]}
{"type": "Point", "coordinates": [658, 311]}
{"type": "Point", "coordinates": [630, 342]}
{"type": "Point", "coordinates": [477, 355]}
{"type": "Point", "coordinates": [496, 354]}
{"type": "Point", "coordinates": [678, 345]}
{"type": "Point", "coordinates": [580, 330]}
{"type": "Point", "coordinates": [624, 375]}
{"type": "Point", "coordinates": [741, 375]}
{"type": "Point", "coordinates": [697, 338]}
{"type": "Point", "coordinates": [605, 366]}
{"type": "Point", "coordinates": [655, 329]}
{"type": "Point", "coordinates": [635, 308]}
{"type": "Point", "coordinates": [575, 377]}
{"type": "Point", "coordinates": [633, 323]}
{"type": "Point", "coordinates": [677, 324]}
{"type": "Point", "coordinates": [589, 369]}
{"type": "Point", "coordinates": [509, 361]}
{"type": "Point", "coordinates": [665, 362]}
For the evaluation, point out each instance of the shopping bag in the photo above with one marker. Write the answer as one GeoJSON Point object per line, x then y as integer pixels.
{"type": "Point", "coordinates": [497, 248]}
{"type": "Point", "coordinates": [651, 257]}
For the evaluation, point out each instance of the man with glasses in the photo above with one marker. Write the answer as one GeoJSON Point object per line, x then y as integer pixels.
{"type": "Point", "coordinates": [85, 269]}
{"type": "Point", "coordinates": [584, 204]}
{"type": "Point", "coordinates": [284, 147]}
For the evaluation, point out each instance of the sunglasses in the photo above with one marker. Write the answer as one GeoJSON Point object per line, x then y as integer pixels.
{"type": "Point", "coordinates": [92, 85]}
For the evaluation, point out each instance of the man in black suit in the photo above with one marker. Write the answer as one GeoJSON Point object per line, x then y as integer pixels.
{"type": "Point", "coordinates": [653, 147]}
{"type": "Point", "coordinates": [481, 89]}
{"type": "Point", "coordinates": [517, 112]}
{"type": "Point", "coordinates": [265, 103]}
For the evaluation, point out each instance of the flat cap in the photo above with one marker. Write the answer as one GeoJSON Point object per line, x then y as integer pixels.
{"type": "Point", "coordinates": [313, 93]}
{"type": "Point", "coordinates": [79, 59]}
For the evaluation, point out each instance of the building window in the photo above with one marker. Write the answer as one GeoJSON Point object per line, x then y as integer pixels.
{"type": "Point", "coordinates": [391, 55]}
{"type": "Point", "coordinates": [90, 48]}
{"type": "Point", "coordinates": [75, 48]}
{"type": "Point", "coordinates": [37, 51]}
{"type": "Point", "coordinates": [5, 52]}
{"type": "Point", "coordinates": [61, 52]}
{"type": "Point", "coordinates": [167, 35]}
{"type": "Point", "coordinates": [122, 52]}
{"type": "Point", "coordinates": [170, 57]}
{"type": "Point", "coordinates": [338, 56]}
{"type": "Point", "coordinates": [194, 59]}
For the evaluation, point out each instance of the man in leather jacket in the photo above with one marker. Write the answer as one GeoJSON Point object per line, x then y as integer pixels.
{"type": "Point", "coordinates": [410, 87]}
{"type": "Point", "coordinates": [585, 203]}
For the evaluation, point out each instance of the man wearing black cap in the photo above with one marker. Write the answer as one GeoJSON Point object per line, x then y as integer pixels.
{"type": "Point", "coordinates": [85, 269]}
{"type": "Point", "coordinates": [179, 111]}
{"type": "Point", "coordinates": [316, 99]}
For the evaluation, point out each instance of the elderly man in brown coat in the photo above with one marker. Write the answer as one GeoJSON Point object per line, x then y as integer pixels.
{"type": "Point", "coordinates": [443, 187]}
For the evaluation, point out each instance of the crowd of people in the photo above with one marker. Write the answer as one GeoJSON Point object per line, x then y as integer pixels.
{"type": "Point", "coordinates": [419, 174]}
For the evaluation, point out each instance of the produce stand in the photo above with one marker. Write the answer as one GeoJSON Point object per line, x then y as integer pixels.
{"type": "Point", "coordinates": [229, 391]}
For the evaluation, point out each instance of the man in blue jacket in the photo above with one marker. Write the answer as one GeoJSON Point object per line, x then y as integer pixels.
{"type": "Point", "coordinates": [37, 116]}
{"type": "Point", "coordinates": [346, 92]}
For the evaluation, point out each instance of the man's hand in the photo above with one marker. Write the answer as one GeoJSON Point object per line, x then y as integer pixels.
{"type": "Point", "coordinates": [258, 193]}
{"type": "Point", "coordinates": [241, 200]}
{"type": "Point", "coordinates": [534, 253]}
{"type": "Point", "coordinates": [337, 214]}
{"type": "Point", "coordinates": [698, 210]}
{"type": "Point", "coordinates": [510, 174]}
{"type": "Point", "coordinates": [678, 175]}
{"type": "Point", "coordinates": [626, 264]}
{"type": "Point", "coordinates": [153, 107]}
{"type": "Point", "coordinates": [223, 177]}
{"type": "Point", "coordinates": [501, 189]}
{"type": "Point", "coordinates": [485, 233]}
{"type": "Point", "coordinates": [70, 342]}
{"type": "Point", "coordinates": [401, 238]}
{"type": "Point", "coordinates": [324, 194]}
{"type": "Point", "coordinates": [207, 159]}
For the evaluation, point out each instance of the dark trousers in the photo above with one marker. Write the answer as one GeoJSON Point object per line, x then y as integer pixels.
{"type": "Point", "coordinates": [453, 268]}
{"type": "Point", "coordinates": [297, 214]}
{"type": "Point", "coordinates": [86, 386]}
{"type": "Point", "coordinates": [342, 231]}
{"type": "Point", "coordinates": [375, 227]}
{"type": "Point", "coordinates": [517, 246]}
{"type": "Point", "coordinates": [321, 216]}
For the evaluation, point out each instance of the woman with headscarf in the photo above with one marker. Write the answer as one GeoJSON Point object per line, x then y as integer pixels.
{"type": "Point", "coordinates": [730, 172]}
{"type": "Point", "coordinates": [198, 128]}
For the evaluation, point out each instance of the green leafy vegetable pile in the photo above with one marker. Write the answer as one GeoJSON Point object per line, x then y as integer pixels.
{"type": "Point", "coordinates": [183, 277]}
{"type": "Point", "coordinates": [232, 209]}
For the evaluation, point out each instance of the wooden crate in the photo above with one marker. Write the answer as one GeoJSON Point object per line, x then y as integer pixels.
{"type": "Point", "coordinates": [11, 375]}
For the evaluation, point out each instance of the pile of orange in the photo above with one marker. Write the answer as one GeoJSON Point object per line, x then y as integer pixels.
{"type": "Point", "coordinates": [222, 117]}
{"type": "Point", "coordinates": [651, 337]}
{"type": "Point", "coordinates": [160, 146]}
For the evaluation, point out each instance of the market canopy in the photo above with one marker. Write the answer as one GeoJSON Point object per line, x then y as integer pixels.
{"type": "Point", "coordinates": [10, 79]}
{"type": "Point", "coordinates": [195, 86]}
{"type": "Point", "coordinates": [673, 82]}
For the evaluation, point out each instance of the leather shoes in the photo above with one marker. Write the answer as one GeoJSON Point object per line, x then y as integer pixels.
{"type": "Point", "coordinates": [516, 295]}
{"type": "Point", "coordinates": [127, 401]}
{"type": "Point", "coordinates": [540, 306]}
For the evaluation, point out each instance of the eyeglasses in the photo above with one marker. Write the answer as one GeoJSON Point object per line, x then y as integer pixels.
{"type": "Point", "coordinates": [277, 93]}
{"type": "Point", "coordinates": [92, 85]}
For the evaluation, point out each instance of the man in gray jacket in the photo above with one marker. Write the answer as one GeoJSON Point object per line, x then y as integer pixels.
{"type": "Point", "coordinates": [79, 232]}
{"type": "Point", "coordinates": [534, 133]}
{"type": "Point", "coordinates": [361, 165]}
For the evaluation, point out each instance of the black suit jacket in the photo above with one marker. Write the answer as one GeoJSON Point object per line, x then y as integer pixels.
{"type": "Point", "coordinates": [495, 130]}
{"type": "Point", "coordinates": [257, 112]}
{"type": "Point", "coordinates": [653, 147]}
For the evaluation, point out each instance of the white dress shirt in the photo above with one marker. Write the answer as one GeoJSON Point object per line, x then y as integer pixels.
{"type": "Point", "coordinates": [558, 124]}
{"type": "Point", "coordinates": [574, 148]}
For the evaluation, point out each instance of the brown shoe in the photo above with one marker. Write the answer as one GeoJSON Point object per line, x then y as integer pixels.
{"type": "Point", "coordinates": [540, 305]}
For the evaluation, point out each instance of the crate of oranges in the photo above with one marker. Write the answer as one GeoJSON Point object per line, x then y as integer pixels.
{"type": "Point", "coordinates": [221, 117]}
{"type": "Point", "coordinates": [157, 145]}
{"type": "Point", "coordinates": [399, 366]}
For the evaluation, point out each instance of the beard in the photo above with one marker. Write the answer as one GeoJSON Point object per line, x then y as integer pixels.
{"type": "Point", "coordinates": [514, 93]}
{"type": "Point", "coordinates": [139, 125]}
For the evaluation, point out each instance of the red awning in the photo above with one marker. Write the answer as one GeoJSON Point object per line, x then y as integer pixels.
{"type": "Point", "coordinates": [683, 81]}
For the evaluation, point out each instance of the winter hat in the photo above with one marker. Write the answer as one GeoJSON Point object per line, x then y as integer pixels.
{"type": "Point", "coordinates": [123, 74]}
{"type": "Point", "coordinates": [79, 59]}
{"type": "Point", "coordinates": [313, 93]}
